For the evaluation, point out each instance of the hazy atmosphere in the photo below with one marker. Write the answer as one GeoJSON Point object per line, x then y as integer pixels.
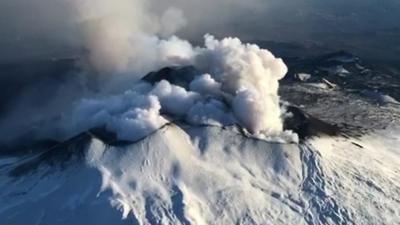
{"type": "Point", "coordinates": [44, 28]}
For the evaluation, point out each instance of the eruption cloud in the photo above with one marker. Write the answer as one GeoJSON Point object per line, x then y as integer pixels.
{"type": "Point", "coordinates": [236, 83]}
{"type": "Point", "coordinates": [122, 36]}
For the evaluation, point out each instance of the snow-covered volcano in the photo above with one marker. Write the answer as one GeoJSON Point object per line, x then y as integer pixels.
{"type": "Point", "coordinates": [205, 175]}
{"type": "Point", "coordinates": [115, 112]}
{"type": "Point", "coordinates": [342, 171]}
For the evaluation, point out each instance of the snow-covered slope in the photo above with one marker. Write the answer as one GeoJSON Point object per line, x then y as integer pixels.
{"type": "Point", "coordinates": [204, 166]}
{"type": "Point", "coordinates": [207, 175]}
{"type": "Point", "coordinates": [363, 175]}
{"type": "Point", "coordinates": [213, 176]}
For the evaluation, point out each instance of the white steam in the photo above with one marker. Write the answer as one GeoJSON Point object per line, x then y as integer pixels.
{"type": "Point", "coordinates": [251, 76]}
{"type": "Point", "coordinates": [174, 99]}
{"type": "Point", "coordinates": [239, 85]}
{"type": "Point", "coordinates": [121, 35]}
{"type": "Point", "coordinates": [237, 82]}
{"type": "Point", "coordinates": [206, 85]}
{"type": "Point", "coordinates": [131, 115]}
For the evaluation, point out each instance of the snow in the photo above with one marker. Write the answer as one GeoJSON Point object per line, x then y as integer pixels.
{"type": "Point", "coordinates": [228, 180]}
{"type": "Point", "coordinates": [303, 76]}
{"type": "Point", "coordinates": [322, 86]}
{"type": "Point", "coordinates": [209, 175]}
{"type": "Point", "coordinates": [336, 70]}
{"type": "Point", "coordinates": [380, 98]}
{"type": "Point", "coordinates": [363, 175]}
{"type": "Point", "coordinates": [51, 195]}
{"type": "Point", "coordinates": [201, 175]}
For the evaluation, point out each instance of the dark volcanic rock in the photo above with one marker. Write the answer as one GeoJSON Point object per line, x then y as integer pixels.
{"type": "Point", "coordinates": [57, 156]}
{"type": "Point", "coordinates": [181, 76]}
{"type": "Point", "coordinates": [306, 125]}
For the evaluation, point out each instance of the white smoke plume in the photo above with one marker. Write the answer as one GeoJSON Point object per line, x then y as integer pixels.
{"type": "Point", "coordinates": [121, 36]}
{"type": "Point", "coordinates": [250, 75]}
{"type": "Point", "coordinates": [243, 76]}
{"type": "Point", "coordinates": [237, 83]}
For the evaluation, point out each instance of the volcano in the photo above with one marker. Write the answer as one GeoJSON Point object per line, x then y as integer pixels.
{"type": "Point", "coordinates": [342, 169]}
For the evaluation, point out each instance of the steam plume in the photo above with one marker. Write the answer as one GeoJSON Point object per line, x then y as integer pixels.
{"type": "Point", "coordinates": [237, 83]}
